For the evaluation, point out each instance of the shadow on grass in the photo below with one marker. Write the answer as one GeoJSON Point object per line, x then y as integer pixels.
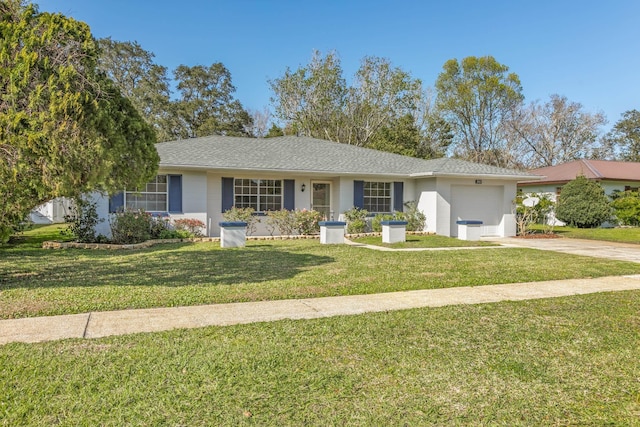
{"type": "Point", "coordinates": [173, 265]}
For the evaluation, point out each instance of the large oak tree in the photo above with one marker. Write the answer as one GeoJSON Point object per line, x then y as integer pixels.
{"type": "Point", "coordinates": [64, 127]}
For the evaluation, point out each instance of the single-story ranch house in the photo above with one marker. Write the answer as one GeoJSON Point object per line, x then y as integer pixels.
{"type": "Point", "coordinates": [203, 177]}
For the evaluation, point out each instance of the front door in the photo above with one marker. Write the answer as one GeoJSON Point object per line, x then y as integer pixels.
{"type": "Point", "coordinates": [321, 199]}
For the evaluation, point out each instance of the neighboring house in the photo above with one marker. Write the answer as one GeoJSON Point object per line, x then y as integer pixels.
{"type": "Point", "coordinates": [203, 177]}
{"type": "Point", "coordinates": [51, 212]}
{"type": "Point", "coordinates": [611, 175]}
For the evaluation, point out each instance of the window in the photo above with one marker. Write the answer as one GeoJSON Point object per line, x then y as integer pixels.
{"type": "Point", "coordinates": [152, 198]}
{"type": "Point", "coordinates": [377, 196]}
{"type": "Point", "coordinates": [260, 194]}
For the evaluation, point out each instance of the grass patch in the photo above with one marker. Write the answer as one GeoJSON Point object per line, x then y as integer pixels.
{"type": "Point", "coordinates": [416, 241]}
{"type": "Point", "coordinates": [621, 235]}
{"type": "Point", "coordinates": [560, 361]}
{"type": "Point", "coordinates": [37, 282]}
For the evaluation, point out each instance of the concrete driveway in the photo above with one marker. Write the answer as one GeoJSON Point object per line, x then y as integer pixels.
{"type": "Point", "coordinates": [593, 248]}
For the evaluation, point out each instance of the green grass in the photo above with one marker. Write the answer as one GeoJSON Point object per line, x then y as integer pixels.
{"type": "Point", "coordinates": [416, 241]}
{"type": "Point", "coordinates": [35, 282]}
{"type": "Point", "coordinates": [621, 235]}
{"type": "Point", "coordinates": [559, 361]}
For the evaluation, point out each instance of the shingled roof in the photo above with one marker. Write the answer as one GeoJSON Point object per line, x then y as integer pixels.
{"type": "Point", "coordinates": [309, 155]}
{"type": "Point", "coordinates": [599, 170]}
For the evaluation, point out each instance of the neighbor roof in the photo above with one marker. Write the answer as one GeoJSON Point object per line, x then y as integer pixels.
{"type": "Point", "coordinates": [591, 169]}
{"type": "Point", "coordinates": [309, 155]}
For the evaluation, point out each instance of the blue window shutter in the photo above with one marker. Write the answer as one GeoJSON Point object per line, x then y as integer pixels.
{"type": "Point", "coordinates": [227, 194]}
{"type": "Point", "coordinates": [289, 202]}
{"type": "Point", "coordinates": [358, 194]}
{"type": "Point", "coordinates": [116, 201]}
{"type": "Point", "coordinates": [398, 202]}
{"type": "Point", "coordinates": [175, 193]}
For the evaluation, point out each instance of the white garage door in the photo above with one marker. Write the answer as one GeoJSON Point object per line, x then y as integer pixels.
{"type": "Point", "coordinates": [477, 202]}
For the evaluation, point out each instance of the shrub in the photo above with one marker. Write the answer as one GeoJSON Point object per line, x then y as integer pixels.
{"type": "Point", "coordinates": [415, 218]}
{"type": "Point", "coordinates": [377, 220]}
{"type": "Point", "coordinates": [243, 215]}
{"type": "Point", "coordinates": [356, 220]}
{"type": "Point", "coordinates": [193, 227]}
{"type": "Point", "coordinates": [131, 226]}
{"type": "Point", "coordinates": [528, 215]}
{"type": "Point", "coordinates": [160, 226]}
{"type": "Point", "coordinates": [307, 222]}
{"type": "Point", "coordinates": [583, 204]}
{"type": "Point", "coordinates": [282, 220]}
{"type": "Point", "coordinates": [626, 206]}
{"type": "Point", "coordinates": [83, 220]}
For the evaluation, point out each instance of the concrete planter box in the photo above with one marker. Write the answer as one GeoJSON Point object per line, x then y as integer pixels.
{"type": "Point", "coordinates": [233, 234]}
{"type": "Point", "coordinates": [469, 229]}
{"type": "Point", "coordinates": [332, 232]}
{"type": "Point", "coordinates": [394, 231]}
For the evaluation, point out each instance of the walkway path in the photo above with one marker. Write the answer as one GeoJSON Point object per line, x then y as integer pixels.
{"type": "Point", "coordinates": [101, 324]}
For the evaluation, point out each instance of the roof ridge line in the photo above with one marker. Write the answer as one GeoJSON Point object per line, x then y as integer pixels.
{"type": "Point", "coordinates": [592, 168]}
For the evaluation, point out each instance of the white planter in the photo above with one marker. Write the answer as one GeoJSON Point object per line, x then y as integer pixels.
{"type": "Point", "coordinates": [332, 232]}
{"type": "Point", "coordinates": [394, 231]}
{"type": "Point", "coordinates": [233, 234]}
{"type": "Point", "coordinates": [469, 229]}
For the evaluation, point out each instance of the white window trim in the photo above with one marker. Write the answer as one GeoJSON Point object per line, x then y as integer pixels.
{"type": "Point", "coordinates": [390, 197]}
{"type": "Point", "coordinates": [259, 208]}
{"type": "Point", "coordinates": [155, 180]}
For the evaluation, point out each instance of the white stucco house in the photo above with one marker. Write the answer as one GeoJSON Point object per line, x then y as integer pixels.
{"type": "Point", "coordinates": [203, 177]}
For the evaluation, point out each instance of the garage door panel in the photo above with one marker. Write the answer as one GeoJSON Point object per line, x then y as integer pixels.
{"type": "Point", "coordinates": [478, 203]}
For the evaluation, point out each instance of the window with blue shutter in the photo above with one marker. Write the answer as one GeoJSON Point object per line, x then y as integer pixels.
{"type": "Point", "coordinates": [358, 194]}
{"type": "Point", "coordinates": [227, 194]}
{"type": "Point", "coordinates": [289, 201]}
{"type": "Point", "coordinates": [116, 202]}
{"type": "Point", "coordinates": [175, 194]}
{"type": "Point", "coordinates": [398, 202]}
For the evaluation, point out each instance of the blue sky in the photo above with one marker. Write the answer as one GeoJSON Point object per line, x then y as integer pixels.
{"type": "Point", "coordinates": [588, 51]}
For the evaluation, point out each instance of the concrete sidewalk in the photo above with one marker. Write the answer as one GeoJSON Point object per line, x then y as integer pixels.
{"type": "Point", "coordinates": [102, 324]}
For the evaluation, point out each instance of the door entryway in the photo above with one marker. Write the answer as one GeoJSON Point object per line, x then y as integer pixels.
{"type": "Point", "coordinates": [321, 199]}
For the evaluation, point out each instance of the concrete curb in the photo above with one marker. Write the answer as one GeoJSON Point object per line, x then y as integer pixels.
{"type": "Point", "coordinates": [102, 324]}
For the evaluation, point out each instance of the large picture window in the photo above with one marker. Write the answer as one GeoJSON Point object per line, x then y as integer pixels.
{"type": "Point", "coordinates": [151, 198]}
{"type": "Point", "coordinates": [377, 197]}
{"type": "Point", "coordinates": [260, 194]}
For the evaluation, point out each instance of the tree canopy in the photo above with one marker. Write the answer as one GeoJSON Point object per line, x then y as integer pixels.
{"type": "Point", "coordinates": [625, 136]}
{"type": "Point", "coordinates": [477, 96]}
{"type": "Point", "coordinates": [64, 127]}
{"type": "Point", "coordinates": [385, 108]}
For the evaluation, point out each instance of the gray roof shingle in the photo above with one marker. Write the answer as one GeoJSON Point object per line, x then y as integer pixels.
{"type": "Point", "coordinates": [301, 154]}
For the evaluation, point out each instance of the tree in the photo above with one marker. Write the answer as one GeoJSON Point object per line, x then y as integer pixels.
{"type": "Point", "coordinates": [400, 137]}
{"type": "Point", "coordinates": [65, 129]}
{"type": "Point", "coordinates": [206, 105]}
{"type": "Point", "coordinates": [555, 132]}
{"type": "Point", "coordinates": [477, 96]}
{"type": "Point", "coordinates": [274, 131]}
{"type": "Point", "coordinates": [626, 135]}
{"type": "Point", "coordinates": [583, 204]}
{"type": "Point", "coordinates": [626, 206]}
{"type": "Point", "coordinates": [311, 99]}
{"type": "Point", "coordinates": [316, 101]}
{"type": "Point", "coordinates": [141, 80]}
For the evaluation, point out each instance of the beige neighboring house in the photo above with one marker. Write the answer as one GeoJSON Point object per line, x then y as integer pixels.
{"type": "Point", "coordinates": [612, 175]}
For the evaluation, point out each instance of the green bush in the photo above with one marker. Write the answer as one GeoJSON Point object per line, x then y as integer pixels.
{"type": "Point", "coordinates": [82, 221]}
{"type": "Point", "coordinates": [282, 220]}
{"type": "Point", "coordinates": [242, 215]}
{"type": "Point", "coordinates": [159, 227]}
{"type": "Point", "coordinates": [191, 226]}
{"type": "Point", "coordinates": [307, 222]}
{"type": "Point", "coordinates": [376, 221]}
{"type": "Point", "coordinates": [626, 206]}
{"type": "Point", "coordinates": [131, 226]}
{"type": "Point", "coordinates": [356, 220]}
{"type": "Point", "coordinates": [416, 220]}
{"type": "Point", "coordinates": [583, 204]}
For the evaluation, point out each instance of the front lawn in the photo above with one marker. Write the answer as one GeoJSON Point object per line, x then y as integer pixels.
{"type": "Point", "coordinates": [417, 241]}
{"type": "Point", "coordinates": [621, 235]}
{"type": "Point", "coordinates": [35, 282]}
{"type": "Point", "coordinates": [553, 362]}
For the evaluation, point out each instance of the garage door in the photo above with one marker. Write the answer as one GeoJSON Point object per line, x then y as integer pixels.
{"type": "Point", "coordinates": [483, 203]}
